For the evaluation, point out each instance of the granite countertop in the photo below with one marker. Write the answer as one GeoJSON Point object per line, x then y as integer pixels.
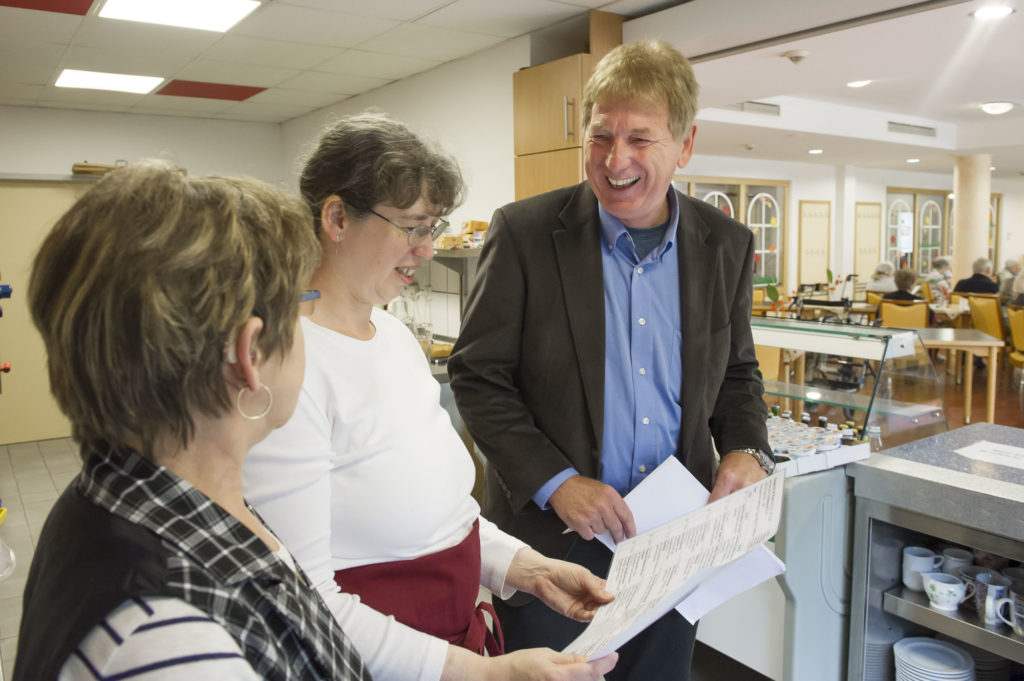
{"type": "Point", "coordinates": [928, 476]}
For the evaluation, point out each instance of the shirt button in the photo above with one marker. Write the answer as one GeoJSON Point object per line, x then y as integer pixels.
{"type": "Point", "coordinates": [639, 270]}
{"type": "Point", "coordinates": [646, 421]}
{"type": "Point", "coordinates": [643, 372]}
{"type": "Point", "coordinates": [642, 469]}
{"type": "Point", "coordinates": [642, 321]}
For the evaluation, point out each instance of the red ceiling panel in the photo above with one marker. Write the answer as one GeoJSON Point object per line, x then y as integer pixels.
{"type": "Point", "coordinates": [80, 7]}
{"type": "Point", "coordinates": [192, 88]}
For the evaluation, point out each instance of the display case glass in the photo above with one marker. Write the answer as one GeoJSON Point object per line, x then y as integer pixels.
{"type": "Point", "coordinates": [873, 376]}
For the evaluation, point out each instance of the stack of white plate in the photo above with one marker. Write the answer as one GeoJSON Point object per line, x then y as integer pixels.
{"type": "Point", "coordinates": [987, 666]}
{"type": "Point", "coordinates": [925, 659]}
{"type": "Point", "coordinates": [878, 657]}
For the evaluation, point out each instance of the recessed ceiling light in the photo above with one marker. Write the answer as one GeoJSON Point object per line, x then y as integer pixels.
{"type": "Point", "coordinates": [119, 82]}
{"type": "Point", "coordinates": [991, 168]}
{"type": "Point", "coordinates": [815, 151]}
{"type": "Point", "coordinates": [992, 12]}
{"type": "Point", "coordinates": [913, 160]}
{"type": "Point", "coordinates": [951, 195]}
{"type": "Point", "coordinates": [206, 15]}
{"type": "Point", "coordinates": [996, 108]}
{"type": "Point", "coordinates": [858, 83]}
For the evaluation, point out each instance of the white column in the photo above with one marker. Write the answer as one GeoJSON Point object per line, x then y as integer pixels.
{"type": "Point", "coordinates": [972, 187]}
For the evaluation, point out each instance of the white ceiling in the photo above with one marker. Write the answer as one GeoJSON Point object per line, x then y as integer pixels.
{"type": "Point", "coordinates": [930, 67]}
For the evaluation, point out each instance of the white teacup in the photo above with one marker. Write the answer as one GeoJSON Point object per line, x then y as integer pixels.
{"type": "Point", "coordinates": [1015, 608]}
{"type": "Point", "coordinates": [954, 559]}
{"type": "Point", "coordinates": [918, 559]}
{"type": "Point", "coordinates": [989, 588]}
{"type": "Point", "coordinates": [945, 592]}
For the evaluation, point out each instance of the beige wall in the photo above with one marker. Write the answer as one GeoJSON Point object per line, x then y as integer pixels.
{"type": "Point", "coordinates": [29, 209]}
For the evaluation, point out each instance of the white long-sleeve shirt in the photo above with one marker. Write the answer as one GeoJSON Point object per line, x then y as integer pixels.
{"type": "Point", "coordinates": [368, 470]}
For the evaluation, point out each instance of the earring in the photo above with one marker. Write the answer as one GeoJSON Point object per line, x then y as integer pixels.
{"type": "Point", "coordinates": [266, 410]}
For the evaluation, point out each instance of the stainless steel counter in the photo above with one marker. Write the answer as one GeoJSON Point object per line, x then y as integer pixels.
{"type": "Point", "coordinates": [924, 492]}
{"type": "Point", "coordinates": [929, 477]}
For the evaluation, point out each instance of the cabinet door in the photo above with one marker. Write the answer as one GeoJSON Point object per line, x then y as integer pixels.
{"type": "Point", "coordinates": [538, 173]}
{"type": "Point", "coordinates": [546, 104]}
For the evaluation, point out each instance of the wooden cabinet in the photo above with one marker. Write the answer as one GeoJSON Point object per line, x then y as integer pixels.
{"type": "Point", "coordinates": [538, 173]}
{"type": "Point", "coordinates": [546, 104]}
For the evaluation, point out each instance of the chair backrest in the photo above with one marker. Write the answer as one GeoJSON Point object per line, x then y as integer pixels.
{"type": "Point", "coordinates": [1016, 316]}
{"type": "Point", "coordinates": [758, 295]}
{"type": "Point", "coordinates": [904, 314]}
{"type": "Point", "coordinates": [986, 315]}
{"type": "Point", "coordinates": [926, 291]}
{"type": "Point", "coordinates": [873, 298]}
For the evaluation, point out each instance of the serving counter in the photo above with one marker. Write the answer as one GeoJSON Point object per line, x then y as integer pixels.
{"type": "Point", "coordinates": [933, 492]}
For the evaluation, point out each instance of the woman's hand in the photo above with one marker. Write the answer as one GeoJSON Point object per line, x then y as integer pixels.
{"type": "Point", "coordinates": [565, 587]}
{"type": "Point", "coordinates": [534, 664]}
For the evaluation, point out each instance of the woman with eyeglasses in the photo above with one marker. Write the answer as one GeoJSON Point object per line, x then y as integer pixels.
{"type": "Point", "coordinates": [369, 484]}
{"type": "Point", "coordinates": [169, 308]}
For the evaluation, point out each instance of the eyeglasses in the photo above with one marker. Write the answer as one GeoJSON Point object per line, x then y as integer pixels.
{"type": "Point", "coordinates": [307, 301]}
{"type": "Point", "coordinates": [417, 235]}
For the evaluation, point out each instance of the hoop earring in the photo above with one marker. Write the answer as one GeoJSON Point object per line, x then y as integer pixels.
{"type": "Point", "coordinates": [257, 417]}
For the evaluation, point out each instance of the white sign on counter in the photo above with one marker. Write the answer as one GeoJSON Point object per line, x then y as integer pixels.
{"type": "Point", "coordinates": [993, 452]}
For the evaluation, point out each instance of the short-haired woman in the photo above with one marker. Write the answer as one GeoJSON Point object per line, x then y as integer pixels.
{"type": "Point", "coordinates": [169, 309]}
{"type": "Point", "coordinates": [369, 484]}
{"type": "Point", "coordinates": [881, 279]}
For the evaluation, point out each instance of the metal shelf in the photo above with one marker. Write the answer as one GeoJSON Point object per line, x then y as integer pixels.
{"type": "Point", "coordinates": [963, 624]}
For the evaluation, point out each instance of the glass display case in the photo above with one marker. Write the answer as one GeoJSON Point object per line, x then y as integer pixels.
{"type": "Point", "coordinates": [872, 376]}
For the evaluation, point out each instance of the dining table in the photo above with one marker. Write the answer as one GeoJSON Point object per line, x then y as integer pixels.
{"type": "Point", "coordinates": [971, 342]}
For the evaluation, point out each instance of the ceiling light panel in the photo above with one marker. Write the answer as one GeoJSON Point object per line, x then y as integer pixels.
{"type": "Point", "coordinates": [858, 83]}
{"type": "Point", "coordinates": [206, 15]}
{"type": "Point", "coordinates": [992, 12]}
{"type": "Point", "coordinates": [118, 82]}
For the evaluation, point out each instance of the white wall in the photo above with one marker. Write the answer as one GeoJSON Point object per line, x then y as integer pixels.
{"type": "Point", "coordinates": [465, 106]}
{"type": "Point", "coordinates": [46, 142]}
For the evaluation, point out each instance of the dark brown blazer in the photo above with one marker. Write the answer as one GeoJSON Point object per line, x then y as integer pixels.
{"type": "Point", "coordinates": [528, 367]}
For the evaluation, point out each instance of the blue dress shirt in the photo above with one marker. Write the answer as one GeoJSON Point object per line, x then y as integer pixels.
{"type": "Point", "coordinates": [643, 363]}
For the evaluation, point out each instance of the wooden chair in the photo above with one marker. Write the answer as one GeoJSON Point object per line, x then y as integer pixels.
{"type": "Point", "coordinates": [1016, 317]}
{"type": "Point", "coordinates": [873, 300]}
{"type": "Point", "coordinates": [903, 314]}
{"type": "Point", "coordinates": [987, 315]}
{"type": "Point", "coordinates": [926, 291]}
{"type": "Point", "coordinates": [758, 299]}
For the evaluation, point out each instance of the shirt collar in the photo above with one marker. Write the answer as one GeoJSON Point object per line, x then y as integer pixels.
{"type": "Point", "coordinates": [612, 229]}
{"type": "Point", "coordinates": [136, 489]}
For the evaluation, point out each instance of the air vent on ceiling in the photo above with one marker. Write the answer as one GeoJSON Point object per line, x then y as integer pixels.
{"type": "Point", "coordinates": [756, 107]}
{"type": "Point", "coordinates": [907, 128]}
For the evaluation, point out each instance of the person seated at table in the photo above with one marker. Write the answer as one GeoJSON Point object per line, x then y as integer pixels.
{"type": "Point", "coordinates": [904, 280]}
{"type": "Point", "coordinates": [169, 309]}
{"type": "Point", "coordinates": [1017, 291]}
{"type": "Point", "coordinates": [939, 277]}
{"type": "Point", "coordinates": [369, 484]}
{"type": "Point", "coordinates": [980, 281]}
{"type": "Point", "coordinates": [1006, 279]}
{"type": "Point", "coordinates": [881, 280]}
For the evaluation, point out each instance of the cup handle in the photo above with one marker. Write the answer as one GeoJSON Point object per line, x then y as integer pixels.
{"type": "Point", "coordinates": [938, 561]}
{"type": "Point", "coordinates": [998, 608]}
{"type": "Point", "coordinates": [968, 592]}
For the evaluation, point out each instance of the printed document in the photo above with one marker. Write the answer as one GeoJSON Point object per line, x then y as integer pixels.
{"type": "Point", "coordinates": [677, 560]}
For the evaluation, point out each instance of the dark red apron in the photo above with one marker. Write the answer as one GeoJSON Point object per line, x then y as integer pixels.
{"type": "Point", "coordinates": [435, 594]}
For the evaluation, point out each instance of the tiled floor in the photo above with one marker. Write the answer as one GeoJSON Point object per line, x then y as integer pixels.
{"type": "Point", "coordinates": [32, 475]}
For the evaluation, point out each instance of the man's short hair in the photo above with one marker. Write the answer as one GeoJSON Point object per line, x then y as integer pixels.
{"type": "Point", "coordinates": [650, 71]}
{"type": "Point", "coordinates": [982, 264]}
{"type": "Point", "coordinates": [940, 262]}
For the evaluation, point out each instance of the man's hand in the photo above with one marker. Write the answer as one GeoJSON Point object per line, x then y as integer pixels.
{"type": "Point", "coordinates": [591, 507]}
{"type": "Point", "coordinates": [737, 470]}
{"type": "Point", "coordinates": [567, 588]}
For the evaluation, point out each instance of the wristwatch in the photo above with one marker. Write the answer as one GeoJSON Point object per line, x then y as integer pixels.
{"type": "Point", "coordinates": [766, 462]}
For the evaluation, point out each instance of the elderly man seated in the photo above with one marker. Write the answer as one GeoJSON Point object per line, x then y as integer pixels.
{"type": "Point", "coordinates": [980, 281]}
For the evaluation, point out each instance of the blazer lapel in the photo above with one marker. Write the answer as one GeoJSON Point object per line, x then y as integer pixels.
{"type": "Point", "coordinates": [698, 267]}
{"type": "Point", "coordinates": [578, 252]}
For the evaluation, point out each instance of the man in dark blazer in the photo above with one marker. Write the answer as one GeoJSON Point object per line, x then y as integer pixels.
{"type": "Point", "coordinates": [979, 282]}
{"type": "Point", "coordinates": [608, 329]}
